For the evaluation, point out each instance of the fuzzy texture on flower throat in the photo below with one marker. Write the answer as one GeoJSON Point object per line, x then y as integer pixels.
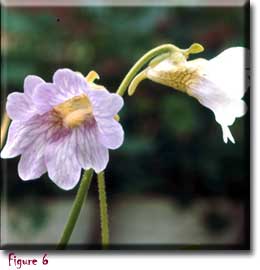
{"type": "Point", "coordinates": [62, 127]}
{"type": "Point", "coordinates": [179, 76]}
{"type": "Point", "coordinates": [74, 111]}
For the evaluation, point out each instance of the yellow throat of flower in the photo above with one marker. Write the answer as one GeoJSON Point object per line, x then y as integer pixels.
{"type": "Point", "coordinates": [172, 69]}
{"type": "Point", "coordinates": [74, 111]}
{"type": "Point", "coordinates": [180, 74]}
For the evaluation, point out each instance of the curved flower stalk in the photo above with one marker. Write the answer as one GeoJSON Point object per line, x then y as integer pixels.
{"type": "Point", "coordinates": [62, 127]}
{"type": "Point", "coordinates": [218, 84]}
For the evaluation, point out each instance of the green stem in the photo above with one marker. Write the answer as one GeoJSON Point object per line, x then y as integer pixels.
{"type": "Point", "coordinates": [103, 209]}
{"type": "Point", "coordinates": [77, 205]}
{"type": "Point", "coordinates": [141, 62]}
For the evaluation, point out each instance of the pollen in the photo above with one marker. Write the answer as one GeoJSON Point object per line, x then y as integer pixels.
{"type": "Point", "coordinates": [74, 111]}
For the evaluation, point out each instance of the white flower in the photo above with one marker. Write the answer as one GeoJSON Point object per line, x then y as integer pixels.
{"type": "Point", "coordinates": [218, 84]}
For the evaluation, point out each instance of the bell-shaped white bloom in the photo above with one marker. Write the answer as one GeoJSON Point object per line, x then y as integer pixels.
{"type": "Point", "coordinates": [222, 86]}
{"type": "Point", "coordinates": [218, 84]}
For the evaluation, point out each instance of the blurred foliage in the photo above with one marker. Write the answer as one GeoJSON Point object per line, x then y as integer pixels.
{"type": "Point", "coordinates": [33, 218]}
{"type": "Point", "coordinates": [172, 144]}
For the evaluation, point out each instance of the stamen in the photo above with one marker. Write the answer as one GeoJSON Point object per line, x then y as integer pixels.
{"type": "Point", "coordinates": [117, 117]}
{"type": "Point", "coordinates": [92, 76]}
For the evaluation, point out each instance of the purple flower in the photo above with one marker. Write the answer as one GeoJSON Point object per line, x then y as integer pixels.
{"type": "Point", "coordinates": [61, 127]}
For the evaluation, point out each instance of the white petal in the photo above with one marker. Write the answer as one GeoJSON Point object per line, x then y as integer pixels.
{"type": "Point", "coordinates": [228, 71]}
{"type": "Point", "coordinates": [230, 56]}
{"type": "Point", "coordinates": [227, 113]}
{"type": "Point", "coordinates": [227, 134]}
{"type": "Point", "coordinates": [164, 66]}
{"type": "Point", "coordinates": [226, 109]}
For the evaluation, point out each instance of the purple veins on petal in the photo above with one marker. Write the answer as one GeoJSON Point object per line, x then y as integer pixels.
{"type": "Point", "coordinates": [88, 142]}
{"type": "Point", "coordinates": [110, 132]}
{"type": "Point", "coordinates": [18, 107]}
{"type": "Point", "coordinates": [62, 165]}
{"type": "Point", "coordinates": [30, 84]}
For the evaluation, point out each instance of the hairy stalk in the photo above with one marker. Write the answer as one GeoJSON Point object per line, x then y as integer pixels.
{"type": "Point", "coordinates": [77, 205]}
{"type": "Point", "coordinates": [103, 210]}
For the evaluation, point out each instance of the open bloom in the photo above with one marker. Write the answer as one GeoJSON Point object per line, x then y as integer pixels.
{"type": "Point", "coordinates": [61, 127]}
{"type": "Point", "coordinates": [218, 84]}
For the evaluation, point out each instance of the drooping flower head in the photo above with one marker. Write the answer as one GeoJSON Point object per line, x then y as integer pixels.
{"type": "Point", "coordinates": [218, 84]}
{"type": "Point", "coordinates": [62, 127]}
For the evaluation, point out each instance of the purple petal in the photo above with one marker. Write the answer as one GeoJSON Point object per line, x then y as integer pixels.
{"type": "Point", "coordinates": [32, 165]}
{"type": "Point", "coordinates": [46, 96]}
{"type": "Point", "coordinates": [62, 165]}
{"type": "Point", "coordinates": [90, 152]}
{"type": "Point", "coordinates": [111, 133]}
{"type": "Point", "coordinates": [18, 107]}
{"type": "Point", "coordinates": [23, 134]}
{"type": "Point", "coordinates": [70, 83]}
{"type": "Point", "coordinates": [13, 147]}
{"type": "Point", "coordinates": [30, 83]}
{"type": "Point", "coordinates": [104, 103]}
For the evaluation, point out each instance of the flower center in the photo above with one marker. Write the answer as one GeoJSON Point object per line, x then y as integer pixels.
{"type": "Point", "coordinates": [179, 76]}
{"type": "Point", "coordinates": [74, 111]}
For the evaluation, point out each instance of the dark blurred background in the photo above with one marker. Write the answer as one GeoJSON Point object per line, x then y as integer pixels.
{"type": "Point", "coordinates": [174, 181]}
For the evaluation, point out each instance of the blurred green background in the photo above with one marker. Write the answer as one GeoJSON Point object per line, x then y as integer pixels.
{"type": "Point", "coordinates": [173, 181]}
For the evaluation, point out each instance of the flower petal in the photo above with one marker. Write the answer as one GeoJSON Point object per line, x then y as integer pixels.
{"type": "Point", "coordinates": [66, 85]}
{"type": "Point", "coordinates": [90, 152]}
{"type": "Point", "coordinates": [18, 107]}
{"type": "Point", "coordinates": [226, 109]}
{"type": "Point", "coordinates": [227, 134]}
{"type": "Point", "coordinates": [13, 147]}
{"type": "Point", "coordinates": [228, 71]}
{"type": "Point", "coordinates": [62, 164]}
{"type": "Point", "coordinates": [227, 113]}
{"type": "Point", "coordinates": [23, 134]}
{"type": "Point", "coordinates": [46, 96]}
{"type": "Point", "coordinates": [110, 132]}
{"type": "Point", "coordinates": [104, 103]}
{"type": "Point", "coordinates": [30, 83]}
{"type": "Point", "coordinates": [32, 164]}
{"type": "Point", "coordinates": [70, 83]}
